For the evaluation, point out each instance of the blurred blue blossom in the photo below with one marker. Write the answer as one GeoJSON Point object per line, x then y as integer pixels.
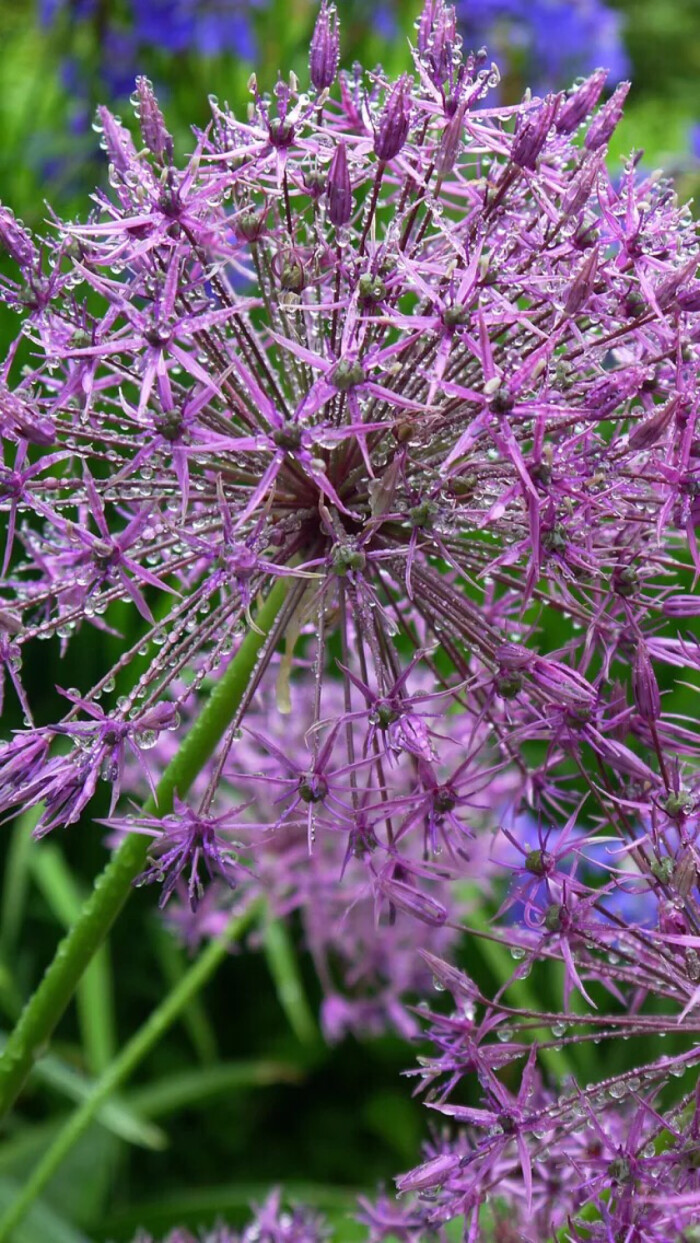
{"type": "Point", "coordinates": [126, 34]}
{"type": "Point", "coordinates": [543, 858]}
{"type": "Point", "coordinates": [203, 26]}
{"type": "Point", "coordinates": [546, 42]}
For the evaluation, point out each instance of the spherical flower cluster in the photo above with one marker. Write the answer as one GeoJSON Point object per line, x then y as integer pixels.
{"type": "Point", "coordinates": [418, 372]}
{"type": "Point", "coordinates": [365, 951]}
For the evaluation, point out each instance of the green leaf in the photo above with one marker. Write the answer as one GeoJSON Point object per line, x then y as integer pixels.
{"type": "Point", "coordinates": [42, 1224]}
{"type": "Point", "coordinates": [392, 1115]}
{"type": "Point", "coordinates": [25, 1146]}
{"type": "Point", "coordinates": [122, 1120]}
{"type": "Point", "coordinates": [195, 1018]}
{"type": "Point", "coordinates": [192, 1087]}
{"type": "Point", "coordinates": [123, 1065]}
{"type": "Point", "coordinates": [94, 993]}
{"type": "Point", "coordinates": [660, 131]}
{"type": "Point", "coordinates": [16, 882]}
{"type": "Point", "coordinates": [284, 969]}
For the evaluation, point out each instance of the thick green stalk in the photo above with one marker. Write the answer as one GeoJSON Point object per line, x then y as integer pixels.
{"type": "Point", "coordinates": [124, 1065]}
{"type": "Point", "coordinates": [47, 1004]}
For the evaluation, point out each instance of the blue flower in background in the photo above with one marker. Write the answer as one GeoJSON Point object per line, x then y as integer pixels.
{"type": "Point", "coordinates": [125, 34]}
{"type": "Point", "coordinates": [204, 26]}
{"type": "Point", "coordinates": [548, 42]}
{"type": "Point", "coordinates": [545, 42]}
{"type": "Point", "coordinates": [543, 860]}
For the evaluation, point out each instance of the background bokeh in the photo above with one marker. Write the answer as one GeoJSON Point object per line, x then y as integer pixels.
{"type": "Point", "coordinates": [235, 1102]}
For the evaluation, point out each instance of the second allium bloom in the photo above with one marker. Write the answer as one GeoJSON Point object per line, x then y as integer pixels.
{"type": "Point", "coordinates": [424, 361]}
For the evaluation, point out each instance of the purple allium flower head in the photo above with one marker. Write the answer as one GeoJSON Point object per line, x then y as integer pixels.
{"type": "Point", "coordinates": [364, 948]}
{"type": "Point", "coordinates": [441, 378]}
{"type": "Point", "coordinates": [304, 365]}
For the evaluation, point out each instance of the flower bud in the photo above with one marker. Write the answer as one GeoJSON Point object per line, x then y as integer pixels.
{"type": "Point", "coordinates": [531, 136]}
{"type": "Point", "coordinates": [581, 102]}
{"type": "Point", "coordinates": [581, 187]}
{"type": "Point", "coordinates": [324, 53]}
{"type": "Point", "coordinates": [563, 686]}
{"type": "Point", "coordinates": [153, 130]}
{"type": "Point", "coordinates": [513, 656]}
{"type": "Point", "coordinates": [608, 394]}
{"type": "Point", "coordinates": [652, 429]}
{"type": "Point", "coordinates": [603, 125]}
{"type": "Point", "coordinates": [449, 144]}
{"type": "Point", "coordinates": [394, 122]}
{"type": "Point", "coordinates": [437, 36]}
{"type": "Point", "coordinates": [620, 758]}
{"type": "Point", "coordinates": [458, 982]}
{"type": "Point", "coordinates": [16, 240]}
{"type": "Point", "coordinates": [339, 189]}
{"type": "Point", "coordinates": [681, 606]}
{"type": "Point", "coordinates": [430, 1174]}
{"type": "Point", "coordinates": [582, 284]}
{"type": "Point", "coordinates": [413, 902]}
{"type": "Point", "coordinates": [645, 687]}
{"type": "Point", "coordinates": [116, 141]}
{"type": "Point", "coordinates": [19, 420]}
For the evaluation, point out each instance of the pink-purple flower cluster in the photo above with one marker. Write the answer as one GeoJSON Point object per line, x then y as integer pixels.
{"type": "Point", "coordinates": [434, 367]}
{"type": "Point", "coordinates": [272, 1223]}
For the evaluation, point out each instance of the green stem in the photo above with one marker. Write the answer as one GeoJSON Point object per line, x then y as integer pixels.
{"type": "Point", "coordinates": [47, 1004]}
{"type": "Point", "coordinates": [284, 969]}
{"type": "Point", "coordinates": [124, 1065]}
